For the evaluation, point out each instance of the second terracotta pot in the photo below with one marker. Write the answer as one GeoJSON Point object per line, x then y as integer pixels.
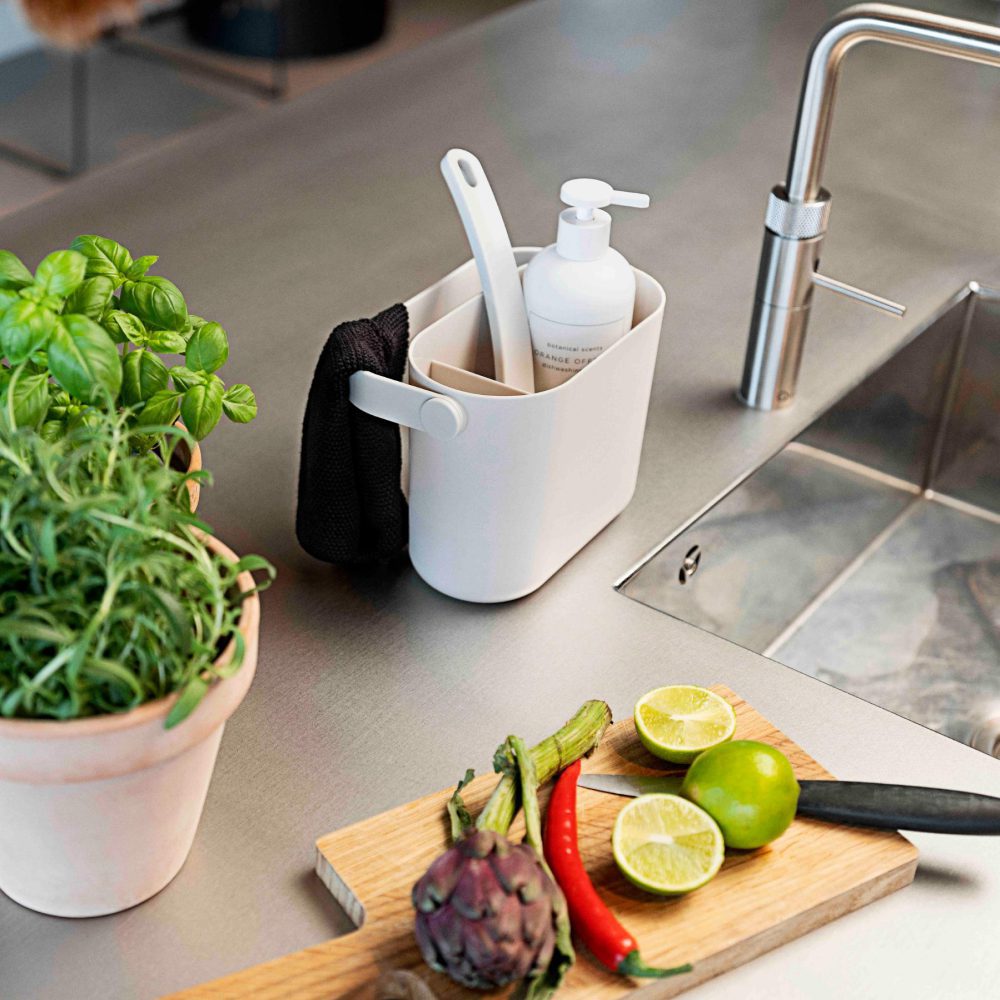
{"type": "Point", "coordinates": [188, 459]}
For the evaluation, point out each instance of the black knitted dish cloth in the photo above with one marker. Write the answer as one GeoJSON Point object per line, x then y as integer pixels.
{"type": "Point", "coordinates": [351, 508]}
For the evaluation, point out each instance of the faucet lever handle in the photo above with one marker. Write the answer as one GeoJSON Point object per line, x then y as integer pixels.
{"type": "Point", "coordinates": [858, 294]}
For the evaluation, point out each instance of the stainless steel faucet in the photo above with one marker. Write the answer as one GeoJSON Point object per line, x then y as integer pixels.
{"type": "Point", "coordinates": [798, 211]}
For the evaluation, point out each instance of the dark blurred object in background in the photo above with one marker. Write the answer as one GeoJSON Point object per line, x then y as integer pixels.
{"type": "Point", "coordinates": [286, 28]}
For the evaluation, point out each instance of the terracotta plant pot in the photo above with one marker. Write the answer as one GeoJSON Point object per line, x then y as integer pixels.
{"type": "Point", "coordinates": [189, 460]}
{"type": "Point", "coordinates": [99, 814]}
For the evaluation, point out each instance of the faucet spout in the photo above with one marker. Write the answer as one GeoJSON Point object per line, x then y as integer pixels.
{"type": "Point", "coordinates": [798, 211]}
{"type": "Point", "coordinates": [869, 22]}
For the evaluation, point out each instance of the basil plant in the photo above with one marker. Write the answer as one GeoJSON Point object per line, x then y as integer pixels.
{"type": "Point", "coordinates": [91, 325]}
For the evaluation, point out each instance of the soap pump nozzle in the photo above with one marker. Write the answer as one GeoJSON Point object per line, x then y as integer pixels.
{"type": "Point", "coordinates": [584, 230]}
{"type": "Point", "coordinates": [586, 194]}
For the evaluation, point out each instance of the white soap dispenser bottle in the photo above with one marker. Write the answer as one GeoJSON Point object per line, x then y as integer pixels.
{"type": "Point", "coordinates": [579, 292]}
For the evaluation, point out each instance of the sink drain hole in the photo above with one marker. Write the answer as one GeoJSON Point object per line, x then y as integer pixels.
{"type": "Point", "coordinates": [690, 565]}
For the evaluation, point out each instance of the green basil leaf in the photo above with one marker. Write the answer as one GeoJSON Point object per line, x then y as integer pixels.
{"type": "Point", "coordinates": [92, 298]}
{"type": "Point", "coordinates": [161, 409]}
{"type": "Point", "coordinates": [53, 430]}
{"type": "Point", "coordinates": [58, 411]}
{"type": "Point", "coordinates": [30, 399]}
{"type": "Point", "coordinates": [62, 272]}
{"type": "Point", "coordinates": [156, 301]}
{"type": "Point", "coordinates": [33, 293]}
{"type": "Point", "coordinates": [143, 375]}
{"type": "Point", "coordinates": [143, 444]}
{"type": "Point", "coordinates": [13, 274]}
{"type": "Point", "coordinates": [208, 348]}
{"type": "Point", "coordinates": [185, 379]}
{"type": "Point", "coordinates": [168, 341]}
{"type": "Point", "coordinates": [201, 408]}
{"type": "Point", "coordinates": [104, 257]}
{"type": "Point", "coordinates": [85, 416]}
{"type": "Point", "coordinates": [7, 298]}
{"type": "Point", "coordinates": [24, 329]}
{"type": "Point", "coordinates": [84, 360]}
{"type": "Point", "coordinates": [140, 267]}
{"type": "Point", "coordinates": [122, 326]}
{"type": "Point", "coordinates": [239, 403]}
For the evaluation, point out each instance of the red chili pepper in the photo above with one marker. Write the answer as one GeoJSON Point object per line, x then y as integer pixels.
{"type": "Point", "coordinates": [592, 921]}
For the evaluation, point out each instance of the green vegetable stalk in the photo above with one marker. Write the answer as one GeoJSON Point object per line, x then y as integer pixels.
{"type": "Point", "coordinates": [578, 738]}
{"type": "Point", "coordinates": [563, 956]}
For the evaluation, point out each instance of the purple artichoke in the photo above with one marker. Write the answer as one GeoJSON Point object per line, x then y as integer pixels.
{"type": "Point", "coordinates": [487, 912]}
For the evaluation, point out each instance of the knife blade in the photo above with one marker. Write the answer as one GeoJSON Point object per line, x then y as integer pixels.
{"type": "Point", "coordinates": [855, 803]}
{"type": "Point", "coordinates": [633, 784]}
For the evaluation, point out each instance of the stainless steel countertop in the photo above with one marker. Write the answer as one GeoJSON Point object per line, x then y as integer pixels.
{"type": "Point", "coordinates": [372, 688]}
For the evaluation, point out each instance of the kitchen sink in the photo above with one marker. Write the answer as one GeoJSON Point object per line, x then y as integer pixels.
{"type": "Point", "coordinates": [866, 553]}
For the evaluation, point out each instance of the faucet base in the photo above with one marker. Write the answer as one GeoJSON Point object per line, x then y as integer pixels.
{"type": "Point", "coordinates": [780, 315]}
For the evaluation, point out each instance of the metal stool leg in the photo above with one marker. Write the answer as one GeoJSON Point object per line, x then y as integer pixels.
{"type": "Point", "coordinates": [78, 129]}
{"type": "Point", "coordinates": [276, 87]}
{"type": "Point", "coordinates": [79, 113]}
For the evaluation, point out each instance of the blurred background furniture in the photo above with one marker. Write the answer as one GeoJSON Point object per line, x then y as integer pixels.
{"type": "Point", "coordinates": [180, 67]}
{"type": "Point", "coordinates": [292, 28]}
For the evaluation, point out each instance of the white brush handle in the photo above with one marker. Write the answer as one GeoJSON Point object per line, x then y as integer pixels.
{"type": "Point", "coordinates": [484, 226]}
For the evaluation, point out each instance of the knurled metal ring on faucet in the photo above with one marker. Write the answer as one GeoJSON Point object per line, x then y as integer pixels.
{"type": "Point", "coordinates": [797, 220]}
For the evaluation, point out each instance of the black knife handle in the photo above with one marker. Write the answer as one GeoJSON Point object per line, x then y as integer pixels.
{"type": "Point", "coordinates": [900, 807]}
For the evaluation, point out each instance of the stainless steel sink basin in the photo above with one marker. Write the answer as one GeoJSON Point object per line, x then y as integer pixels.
{"type": "Point", "coordinates": [867, 552]}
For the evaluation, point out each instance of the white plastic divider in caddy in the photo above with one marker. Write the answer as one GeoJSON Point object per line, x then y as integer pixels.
{"type": "Point", "coordinates": [503, 490]}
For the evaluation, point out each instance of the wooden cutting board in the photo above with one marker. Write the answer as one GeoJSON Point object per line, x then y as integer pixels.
{"type": "Point", "coordinates": [813, 874]}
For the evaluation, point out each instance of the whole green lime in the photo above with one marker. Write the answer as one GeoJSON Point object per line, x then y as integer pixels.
{"type": "Point", "coordinates": [748, 788]}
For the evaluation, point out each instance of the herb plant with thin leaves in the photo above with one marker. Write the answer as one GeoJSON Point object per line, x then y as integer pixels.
{"type": "Point", "coordinates": [91, 322]}
{"type": "Point", "coordinates": [109, 595]}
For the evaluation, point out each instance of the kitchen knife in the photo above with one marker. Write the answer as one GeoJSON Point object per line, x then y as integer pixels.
{"type": "Point", "coordinates": [856, 803]}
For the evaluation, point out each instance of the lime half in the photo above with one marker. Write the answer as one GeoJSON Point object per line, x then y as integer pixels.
{"type": "Point", "coordinates": [667, 845]}
{"type": "Point", "coordinates": [681, 721]}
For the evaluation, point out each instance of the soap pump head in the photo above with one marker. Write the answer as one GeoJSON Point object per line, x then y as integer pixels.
{"type": "Point", "coordinates": [585, 230]}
